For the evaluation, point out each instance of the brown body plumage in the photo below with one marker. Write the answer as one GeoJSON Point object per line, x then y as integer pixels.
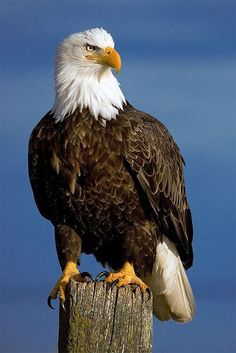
{"type": "Point", "coordinates": [119, 187]}
{"type": "Point", "coordinates": [110, 179]}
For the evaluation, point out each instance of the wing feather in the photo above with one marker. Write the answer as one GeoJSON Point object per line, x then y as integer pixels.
{"type": "Point", "coordinates": [157, 164]}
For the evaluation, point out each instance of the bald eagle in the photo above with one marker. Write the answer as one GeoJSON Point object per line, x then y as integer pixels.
{"type": "Point", "coordinates": [110, 179]}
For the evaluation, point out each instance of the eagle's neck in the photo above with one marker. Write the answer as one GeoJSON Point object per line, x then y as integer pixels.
{"type": "Point", "coordinates": [78, 87]}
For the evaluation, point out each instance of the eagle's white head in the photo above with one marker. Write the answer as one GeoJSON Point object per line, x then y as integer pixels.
{"type": "Point", "coordinates": [84, 76]}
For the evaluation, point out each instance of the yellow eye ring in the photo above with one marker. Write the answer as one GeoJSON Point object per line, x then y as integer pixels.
{"type": "Point", "coordinates": [90, 47]}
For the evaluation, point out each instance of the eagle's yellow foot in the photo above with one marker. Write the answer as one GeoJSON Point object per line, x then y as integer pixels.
{"type": "Point", "coordinates": [124, 277]}
{"type": "Point", "coordinates": [70, 271]}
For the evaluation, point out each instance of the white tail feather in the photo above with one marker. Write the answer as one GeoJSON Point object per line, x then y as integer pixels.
{"type": "Point", "coordinates": [172, 293]}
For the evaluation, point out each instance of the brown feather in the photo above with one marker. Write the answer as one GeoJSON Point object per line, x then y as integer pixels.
{"type": "Point", "coordinates": [119, 186]}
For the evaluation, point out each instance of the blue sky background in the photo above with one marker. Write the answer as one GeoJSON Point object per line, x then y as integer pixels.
{"type": "Point", "coordinates": [179, 65]}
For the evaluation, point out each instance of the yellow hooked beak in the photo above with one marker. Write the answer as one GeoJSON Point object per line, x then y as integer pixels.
{"type": "Point", "coordinates": [109, 57]}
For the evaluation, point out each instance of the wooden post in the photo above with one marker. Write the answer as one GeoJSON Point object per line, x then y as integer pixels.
{"type": "Point", "coordinates": [104, 319]}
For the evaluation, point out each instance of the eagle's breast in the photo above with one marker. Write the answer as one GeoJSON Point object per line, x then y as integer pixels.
{"type": "Point", "coordinates": [98, 194]}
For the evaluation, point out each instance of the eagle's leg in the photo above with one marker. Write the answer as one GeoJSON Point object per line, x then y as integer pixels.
{"type": "Point", "coordinates": [126, 275]}
{"type": "Point", "coordinates": [68, 246]}
{"type": "Point", "coordinates": [70, 271]}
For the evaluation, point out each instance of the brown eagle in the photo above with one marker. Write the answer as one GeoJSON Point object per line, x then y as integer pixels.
{"type": "Point", "coordinates": [110, 179]}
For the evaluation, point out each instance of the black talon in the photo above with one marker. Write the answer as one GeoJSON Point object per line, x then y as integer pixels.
{"type": "Point", "coordinates": [63, 306]}
{"type": "Point", "coordinates": [87, 274]}
{"type": "Point", "coordinates": [149, 293]}
{"type": "Point", "coordinates": [49, 302]}
{"type": "Point", "coordinates": [114, 283]}
{"type": "Point", "coordinates": [102, 274]}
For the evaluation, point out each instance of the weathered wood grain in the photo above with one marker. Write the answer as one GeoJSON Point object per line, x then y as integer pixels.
{"type": "Point", "coordinates": [104, 319]}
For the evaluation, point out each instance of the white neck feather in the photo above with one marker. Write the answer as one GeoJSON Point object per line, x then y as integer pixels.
{"type": "Point", "coordinates": [93, 87]}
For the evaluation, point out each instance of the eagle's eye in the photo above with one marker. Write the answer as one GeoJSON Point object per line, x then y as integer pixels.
{"type": "Point", "coordinates": [90, 47]}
